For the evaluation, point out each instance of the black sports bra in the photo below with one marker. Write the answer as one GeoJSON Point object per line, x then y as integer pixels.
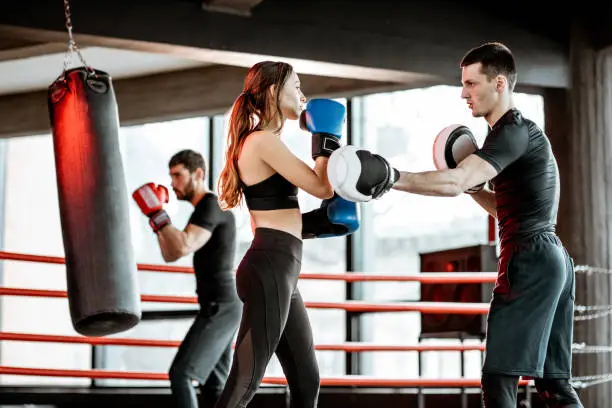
{"type": "Point", "coordinates": [273, 193]}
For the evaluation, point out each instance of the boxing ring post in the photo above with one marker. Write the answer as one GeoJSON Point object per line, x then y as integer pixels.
{"type": "Point", "coordinates": [420, 394]}
{"type": "Point", "coordinates": [464, 401]}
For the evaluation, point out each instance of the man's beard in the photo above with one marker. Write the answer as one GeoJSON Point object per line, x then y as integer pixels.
{"type": "Point", "coordinates": [189, 192]}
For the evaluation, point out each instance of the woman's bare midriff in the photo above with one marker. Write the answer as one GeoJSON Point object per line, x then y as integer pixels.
{"type": "Point", "coordinates": [289, 220]}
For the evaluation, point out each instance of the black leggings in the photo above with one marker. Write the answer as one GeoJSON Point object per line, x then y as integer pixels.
{"type": "Point", "coordinates": [274, 320]}
{"type": "Point", "coordinates": [499, 391]}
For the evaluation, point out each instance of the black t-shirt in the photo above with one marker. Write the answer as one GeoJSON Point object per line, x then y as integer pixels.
{"type": "Point", "coordinates": [213, 263]}
{"type": "Point", "coordinates": [527, 184]}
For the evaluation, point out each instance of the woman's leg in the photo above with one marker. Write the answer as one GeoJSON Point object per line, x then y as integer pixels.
{"type": "Point", "coordinates": [296, 354]}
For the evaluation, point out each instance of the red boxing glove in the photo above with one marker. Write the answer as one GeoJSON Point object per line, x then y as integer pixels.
{"type": "Point", "coordinates": [151, 198]}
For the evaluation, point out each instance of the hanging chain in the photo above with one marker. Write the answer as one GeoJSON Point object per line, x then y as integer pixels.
{"type": "Point", "coordinates": [72, 46]}
{"type": "Point", "coordinates": [68, 23]}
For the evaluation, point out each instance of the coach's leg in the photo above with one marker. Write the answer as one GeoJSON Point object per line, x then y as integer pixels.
{"type": "Point", "coordinates": [555, 388]}
{"type": "Point", "coordinates": [499, 390]}
{"type": "Point", "coordinates": [557, 393]}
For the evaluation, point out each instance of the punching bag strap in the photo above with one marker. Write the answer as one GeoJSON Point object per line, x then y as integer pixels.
{"type": "Point", "coordinates": [72, 45]}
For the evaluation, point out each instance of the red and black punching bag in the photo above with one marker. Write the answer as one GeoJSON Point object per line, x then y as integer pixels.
{"type": "Point", "coordinates": [101, 271]}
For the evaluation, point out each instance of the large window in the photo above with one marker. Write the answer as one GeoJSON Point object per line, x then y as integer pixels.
{"type": "Point", "coordinates": [146, 151]}
{"type": "Point", "coordinates": [32, 226]}
{"type": "Point", "coordinates": [402, 126]}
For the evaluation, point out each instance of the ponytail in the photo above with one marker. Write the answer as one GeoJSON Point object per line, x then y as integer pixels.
{"type": "Point", "coordinates": [241, 124]}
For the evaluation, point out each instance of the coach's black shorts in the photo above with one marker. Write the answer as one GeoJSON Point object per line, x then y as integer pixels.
{"type": "Point", "coordinates": [530, 325]}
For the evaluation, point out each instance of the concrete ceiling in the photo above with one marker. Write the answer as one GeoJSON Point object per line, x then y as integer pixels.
{"type": "Point", "coordinates": [404, 43]}
{"type": "Point", "coordinates": [45, 63]}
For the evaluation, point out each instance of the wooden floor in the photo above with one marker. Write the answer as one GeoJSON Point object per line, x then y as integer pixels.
{"type": "Point", "coordinates": [269, 397]}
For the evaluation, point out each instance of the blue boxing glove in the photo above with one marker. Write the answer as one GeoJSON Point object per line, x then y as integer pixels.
{"type": "Point", "coordinates": [324, 118]}
{"type": "Point", "coordinates": [335, 217]}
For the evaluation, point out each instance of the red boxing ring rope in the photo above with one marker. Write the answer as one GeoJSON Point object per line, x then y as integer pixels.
{"type": "Point", "coordinates": [428, 277]}
{"type": "Point", "coordinates": [349, 306]}
{"type": "Point", "coordinates": [115, 341]}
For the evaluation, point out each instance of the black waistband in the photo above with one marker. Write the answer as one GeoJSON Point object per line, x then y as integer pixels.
{"type": "Point", "coordinates": [523, 237]}
{"type": "Point", "coordinates": [526, 242]}
{"type": "Point", "coordinates": [277, 240]}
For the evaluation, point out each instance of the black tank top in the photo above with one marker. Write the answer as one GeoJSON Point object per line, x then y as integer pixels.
{"type": "Point", "coordinates": [273, 193]}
